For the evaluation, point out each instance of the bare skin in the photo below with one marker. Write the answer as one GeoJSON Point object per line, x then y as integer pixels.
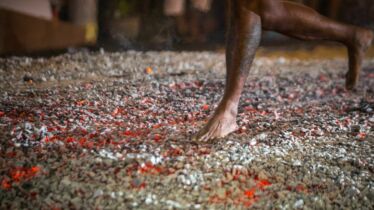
{"type": "Point", "coordinates": [242, 41]}
{"type": "Point", "coordinates": [244, 36]}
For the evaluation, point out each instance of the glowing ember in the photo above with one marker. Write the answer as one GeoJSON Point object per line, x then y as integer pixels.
{"type": "Point", "coordinates": [157, 137]}
{"type": "Point", "coordinates": [5, 184]}
{"type": "Point", "coordinates": [123, 143]}
{"type": "Point", "coordinates": [205, 107]}
{"type": "Point", "coordinates": [250, 193]}
{"type": "Point", "coordinates": [18, 175]}
{"type": "Point", "coordinates": [149, 70]}
{"type": "Point", "coordinates": [149, 168]}
{"type": "Point", "coordinates": [263, 183]}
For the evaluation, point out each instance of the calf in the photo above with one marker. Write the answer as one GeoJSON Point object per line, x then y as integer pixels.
{"type": "Point", "coordinates": [247, 18]}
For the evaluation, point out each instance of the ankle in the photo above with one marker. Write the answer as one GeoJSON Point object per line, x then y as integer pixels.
{"type": "Point", "coordinates": [363, 38]}
{"type": "Point", "coordinates": [228, 108]}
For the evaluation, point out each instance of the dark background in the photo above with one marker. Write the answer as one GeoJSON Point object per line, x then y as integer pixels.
{"type": "Point", "coordinates": [198, 29]}
{"type": "Point", "coordinates": [117, 25]}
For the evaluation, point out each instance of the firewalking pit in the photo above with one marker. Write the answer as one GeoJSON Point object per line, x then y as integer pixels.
{"type": "Point", "coordinates": [113, 131]}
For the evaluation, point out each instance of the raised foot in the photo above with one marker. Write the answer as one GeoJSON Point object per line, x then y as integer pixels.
{"type": "Point", "coordinates": [363, 40]}
{"type": "Point", "coordinates": [219, 126]}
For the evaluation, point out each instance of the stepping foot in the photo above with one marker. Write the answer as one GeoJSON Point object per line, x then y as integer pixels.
{"type": "Point", "coordinates": [363, 40]}
{"type": "Point", "coordinates": [219, 126]}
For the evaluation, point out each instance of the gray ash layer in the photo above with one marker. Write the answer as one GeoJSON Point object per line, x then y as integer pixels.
{"type": "Point", "coordinates": [112, 130]}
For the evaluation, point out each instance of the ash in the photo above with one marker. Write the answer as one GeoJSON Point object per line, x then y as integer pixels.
{"type": "Point", "coordinates": [113, 131]}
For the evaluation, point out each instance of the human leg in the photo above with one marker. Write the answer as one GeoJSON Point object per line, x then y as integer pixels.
{"type": "Point", "coordinates": [302, 22]}
{"type": "Point", "coordinates": [243, 38]}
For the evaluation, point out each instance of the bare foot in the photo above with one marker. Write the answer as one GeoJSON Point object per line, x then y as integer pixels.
{"type": "Point", "coordinates": [363, 40]}
{"type": "Point", "coordinates": [219, 126]}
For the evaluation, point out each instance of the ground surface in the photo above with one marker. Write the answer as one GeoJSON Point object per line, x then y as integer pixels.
{"type": "Point", "coordinates": [112, 131]}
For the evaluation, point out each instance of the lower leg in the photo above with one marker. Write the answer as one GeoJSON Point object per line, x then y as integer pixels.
{"type": "Point", "coordinates": [356, 54]}
{"type": "Point", "coordinates": [242, 42]}
{"type": "Point", "coordinates": [301, 22]}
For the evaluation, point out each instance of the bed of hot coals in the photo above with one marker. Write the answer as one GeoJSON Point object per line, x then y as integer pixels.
{"type": "Point", "coordinates": [113, 131]}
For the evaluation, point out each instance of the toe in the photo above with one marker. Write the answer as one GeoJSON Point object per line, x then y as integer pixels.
{"type": "Point", "coordinates": [349, 86]}
{"type": "Point", "coordinates": [207, 133]}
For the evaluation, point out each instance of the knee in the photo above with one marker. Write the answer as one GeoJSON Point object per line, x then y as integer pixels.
{"type": "Point", "coordinates": [269, 18]}
{"type": "Point", "coordinates": [270, 12]}
{"type": "Point", "coordinates": [250, 26]}
{"type": "Point", "coordinates": [243, 18]}
{"type": "Point", "coordinates": [238, 7]}
{"type": "Point", "coordinates": [254, 21]}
